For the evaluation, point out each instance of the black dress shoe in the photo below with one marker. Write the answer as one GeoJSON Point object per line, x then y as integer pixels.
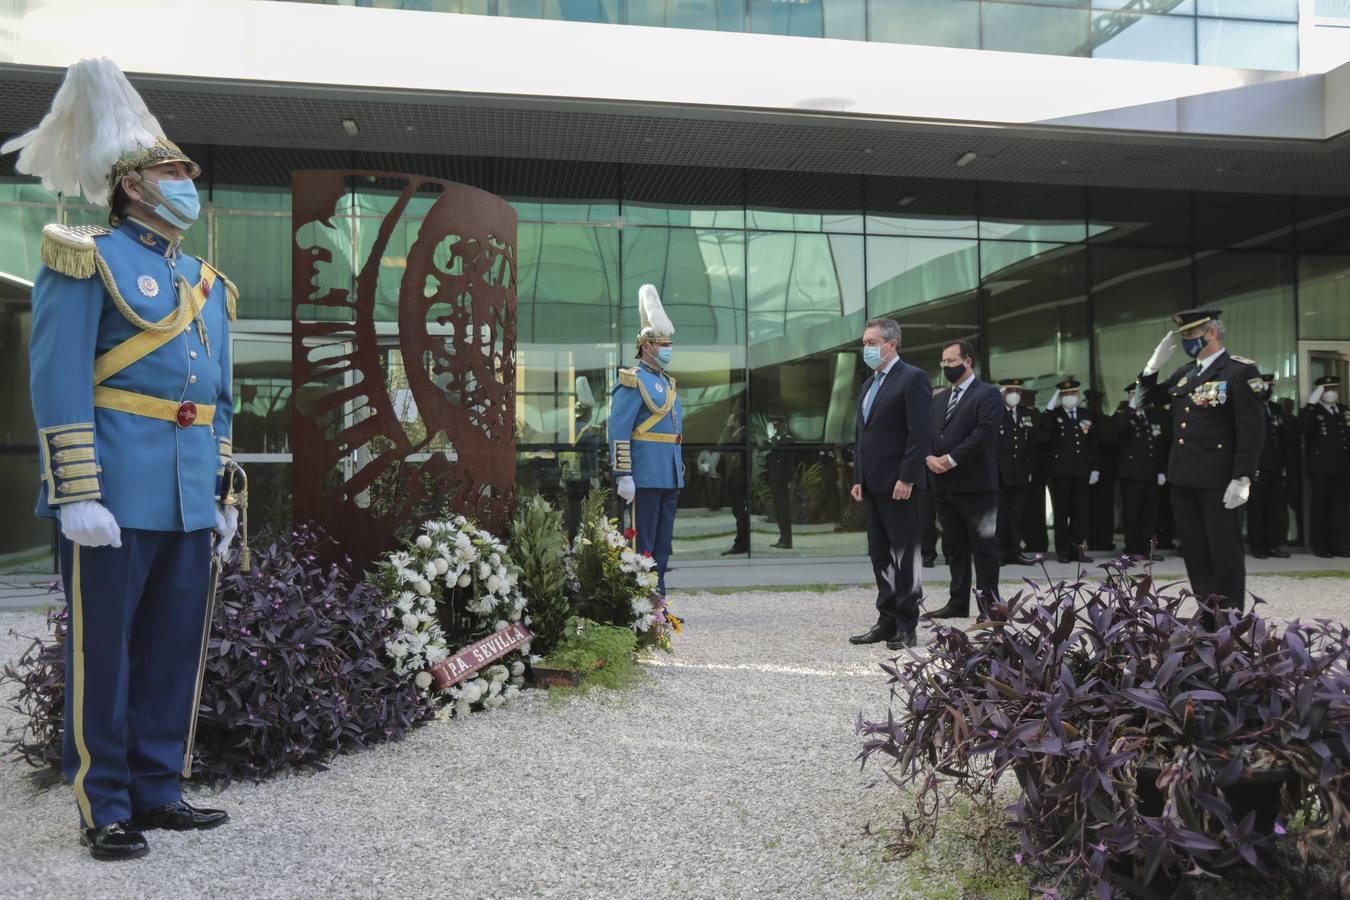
{"type": "Point", "coordinates": [1325, 555]}
{"type": "Point", "coordinates": [1278, 553]}
{"type": "Point", "coordinates": [180, 816]}
{"type": "Point", "coordinates": [1260, 554]}
{"type": "Point", "coordinates": [1157, 557]}
{"type": "Point", "coordinates": [782, 545]}
{"type": "Point", "coordinates": [948, 612]}
{"type": "Point", "coordinates": [109, 843]}
{"type": "Point", "coordinates": [1019, 560]}
{"type": "Point", "coordinates": [1064, 558]}
{"type": "Point", "coordinates": [875, 635]}
{"type": "Point", "coordinates": [734, 550]}
{"type": "Point", "coordinates": [903, 639]}
{"type": "Point", "coordinates": [929, 562]}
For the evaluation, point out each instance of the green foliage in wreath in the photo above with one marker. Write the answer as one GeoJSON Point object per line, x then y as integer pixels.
{"type": "Point", "coordinates": [540, 551]}
{"type": "Point", "coordinates": [605, 654]}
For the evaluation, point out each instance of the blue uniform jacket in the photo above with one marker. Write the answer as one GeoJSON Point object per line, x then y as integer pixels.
{"type": "Point", "coordinates": [644, 429]}
{"type": "Point", "coordinates": [151, 473]}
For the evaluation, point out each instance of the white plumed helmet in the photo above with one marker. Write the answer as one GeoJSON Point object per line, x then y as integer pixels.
{"type": "Point", "coordinates": [656, 325]}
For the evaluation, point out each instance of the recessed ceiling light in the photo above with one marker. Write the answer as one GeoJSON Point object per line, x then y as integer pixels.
{"type": "Point", "coordinates": [906, 200]}
{"type": "Point", "coordinates": [965, 159]}
{"type": "Point", "coordinates": [867, 150]}
{"type": "Point", "coordinates": [350, 126]}
{"type": "Point", "coordinates": [409, 128]}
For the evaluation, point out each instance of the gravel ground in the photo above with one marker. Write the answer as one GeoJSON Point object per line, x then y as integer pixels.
{"type": "Point", "coordinates": [729, 772]}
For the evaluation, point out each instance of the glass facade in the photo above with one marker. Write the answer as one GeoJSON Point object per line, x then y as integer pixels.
{"type": "Point", "coordinates": [1249, 34]}
{"type": "Point", "coordinates": [769, 278]}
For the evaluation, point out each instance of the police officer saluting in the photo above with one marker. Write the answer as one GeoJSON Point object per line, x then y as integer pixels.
{"type": "Point", "coordinates": [1142, 468]}
{"type": "Point", "coordinates": [1073, 467]}
{"type": "Point", "coordinates": [1325, 424]}
{"type": "Point", "coordinates": [1218, 430]}
{"type": "Point", "coordinates": [644, 435]}
{"type": "Point", "coordinates": [1016, 457]}
{"type": "Point", "coordinates": [130, 361]}
{"type": "Point", "coordinates": [1266, 522]}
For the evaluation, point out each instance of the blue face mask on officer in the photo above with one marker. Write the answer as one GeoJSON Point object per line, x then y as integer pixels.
{"type": "Point", "coordinates": [1193, 346]}
{"type": "Point", "coordinates": [664, 354]}
{"type": "Point", "coordinates": [871, 355]}
{"type": "Point", "coordinates": [179, 205]}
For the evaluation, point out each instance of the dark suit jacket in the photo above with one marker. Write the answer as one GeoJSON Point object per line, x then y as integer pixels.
{"type": "Point", "coordinates": [1143, 443]}
{"type": "Point", "coordinates": [892, 443]}
{"type": "Point", "coordinates": [970, 436]}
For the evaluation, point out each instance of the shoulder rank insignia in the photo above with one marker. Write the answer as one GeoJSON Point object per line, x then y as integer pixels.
{"type": "Point", "coordinates": [69, 249]}
{"type": "Point", "coordinates": [1242, 359]}
{"type": "Point", "coordinates": [628, 377]}
{"type": "Point", "coordinates": [231, 292]}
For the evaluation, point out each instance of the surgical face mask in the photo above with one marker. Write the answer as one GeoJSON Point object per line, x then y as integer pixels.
{"type": "Point", "coordinates": [1193, 346]}
{"type": "Point", "coordinates": [1012, 398]}
{"type": "Point", "coordinates": [954, 373]}
{"type": "Point", "coordinates": [664, 355]}
{"type": "Point", "coordinates": [872, 356]}
{"type": "Point", "coordinates": [1070, 401]}
{"type": "Point", "coordinates": [179, 205]}
{"type": "Point", "coordinates": [1330, 396]}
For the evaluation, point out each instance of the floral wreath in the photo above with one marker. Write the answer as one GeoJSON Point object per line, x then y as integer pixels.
{"type": "Point", "coordinates": [653, 622]}
{"type": "Point", "coordinates": [449, 556]}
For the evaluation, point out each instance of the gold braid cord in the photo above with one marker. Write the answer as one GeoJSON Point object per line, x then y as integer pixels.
{"type": "Point", "coordinates": [177, 323]}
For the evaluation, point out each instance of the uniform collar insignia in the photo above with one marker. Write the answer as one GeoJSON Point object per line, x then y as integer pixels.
{"type": "Point", "coordinates": [149, 237]}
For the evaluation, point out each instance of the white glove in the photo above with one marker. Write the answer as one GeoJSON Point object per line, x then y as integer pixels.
{"type": "Point", "coordinates": [1162, 479]}
{"type": "Point", "coordinates": [1236, 493]}
{"type": "Point", "coordinates": [1054, 401]}
{"type": "Point", "coordinates": [1166, 347]}
{"type": "Point", "coordinates": [1316, 396]}
{"type": "Point", "coordinates": [90, 524]}
{"type": "Point", "coordinates": [227, 523]}
{"type": "Point", "coordinates": [1094, 477]}
{"type": "Point", "coordinates": [627, 490]}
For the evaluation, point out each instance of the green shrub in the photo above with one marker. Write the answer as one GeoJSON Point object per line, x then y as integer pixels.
{"type": "Point", "coordinates": [604, 654]}
{"type": "Point", "coordinates": [539, 549]}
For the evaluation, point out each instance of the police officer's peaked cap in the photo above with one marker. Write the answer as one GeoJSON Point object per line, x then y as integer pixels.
{"type": "Point", "coordinates": [1068, 385]}
{"type": "Point", "coordinates": [1268, 377]}
{"type": "Point", "coordinates": [1328, 381]}
{"type": "Point", "coordinates": [1010, 382]}
{"type": "Point", "coordinates": [1194, 318]}
{"type": "Point", "coordinates": [1132, 386]}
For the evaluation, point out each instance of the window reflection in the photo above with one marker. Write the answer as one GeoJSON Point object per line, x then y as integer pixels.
{"type": "Point", "coordinates": [1121, 35]}
{"type": "Point", "coordinates": [1247, 45]}
{"type": "Point", "coordinates": [709, 15]}
{"type": "Point", "coordinates": [1036, 297]}
{"type": "Point", "coordinates": [1134, 294]}
{"type": "Point", "coordinates": [262, 394]}
{"type": "Point", "coordinates": [1324, 297]}
{"type": "Point", "coordinates": [1035, 29]}
{"type": "Point", "coordinates": [1256, 293]}
{"type": "Point", "coordinates": [934, 23]}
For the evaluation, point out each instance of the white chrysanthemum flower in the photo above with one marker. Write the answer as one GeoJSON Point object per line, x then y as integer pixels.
{"type": "Point", "coordinates": [534, 659]}
{"type": "Point", "coordinates": [422, 680]}
{"type": "Point", "coordinates": [422, 587]}
{"type": "Point", "coordinates": [429, 570]}
{"type": "Point", "coordinates": [501, 625]}
{"type": "Point", "coordinates": [437, 654]}
{"type": "Point", "coordinates": [470, 693]}
{"type": "Point", "coordinates": [515, 615]}
{"type": "Point", "coordinates": [511, 692]}
{"type": "Point", "coordinates": [397, 649]}
{"type": "Point", "coordinates": [464, 580]}
{"type": "Point", "coordinates": [494, 584]}
{"type": "Point", "coordinates": [424, 542]}
{"type": "Point", "coordinates": [463, 708]}
{"type": "Point", "coordinates": [441, 565]}
{"type": "Point", "coordinates": [410, 621]}
{"type": "Point", "coordinates": [484, 570]}
{"type": "Point", "coordinates": [642, 606]}
{"type": "Point", "coordinates": [525, 651]}
{"type": "Point", "coordinates": [518, 681]}
{"type": "Point", "coordinates": [644, 623]}
{"type": "Point", "coordinates": [495, 558]}
{"type": "Point", "coordinates": [517, 668]}
{"type": "Point", "coordinates": [493, 702]}
{"type": "Point", "coordinates": [498, 672]}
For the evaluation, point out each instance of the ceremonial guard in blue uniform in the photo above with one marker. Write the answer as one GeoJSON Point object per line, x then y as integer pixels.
{"type": "Point", "coordinates": [130, 361]}
{"type": "Point", "coordinates": [1218, 430]}
{"type": "Point", "coordinates": [644, 435]}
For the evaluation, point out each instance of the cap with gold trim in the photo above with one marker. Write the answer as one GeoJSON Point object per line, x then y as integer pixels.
{"type": "Point", "coordinates": [1194, 318]}
{"type": "Point", "coordinates": [1328, 381]}
{"type": "Point", "coordinates": [1010, 382]}
{"type": "Point", "coordinates": [1069, 386]}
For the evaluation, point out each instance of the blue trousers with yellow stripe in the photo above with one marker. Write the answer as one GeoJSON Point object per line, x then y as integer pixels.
{"type": "Point", "coordinates": [136, 618]}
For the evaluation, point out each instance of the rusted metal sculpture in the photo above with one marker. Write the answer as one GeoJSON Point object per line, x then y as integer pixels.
{"type": "Point", "coordinates": [389, 428]}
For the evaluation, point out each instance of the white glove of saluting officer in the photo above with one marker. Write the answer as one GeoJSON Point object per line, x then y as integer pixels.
{"type": "Point", "coordinates": [627, 490]}
{"type": "Point", "coordinates": [1054, 401]}
{"type": "Point", "coordinates": [1166, 347]}
{"type": "Point", "coordinates": [1316, 396]}
{"type": "Point", "coordinates": [227, 523]}
{"type": "Point", "coordinates": [90, 524]}
{"type": "Point", "coordinates": [1236, 493]}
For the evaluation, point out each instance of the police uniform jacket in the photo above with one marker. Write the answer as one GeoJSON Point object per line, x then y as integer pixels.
{"type": "Point", "coordinates": [1326, 438]}
{"type": "Point", "coordinates": [1218, 425]}
{"type": "Point", "coordinates": [137, 420]}
{"type": "Point", "coordinates": [1275, 451]}
{"type": "Point", "coordinates": [1073, 443]}
{"type": "Point", "coordinates": [1016, 447]}
{"type": "Point", "coordinates": [644, 429]}
{"type": "Point", "coordinates": [1143, 444]}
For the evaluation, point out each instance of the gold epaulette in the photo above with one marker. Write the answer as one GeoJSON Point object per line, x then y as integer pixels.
{"type": "Point", "coordinates": [1242, 359]}
{"type": "Point", "coordinates": [231, 292]}
{"type": "Point", "coordinates": [69, 249]}
{"type": "Point", "coordinates": [628, 377]}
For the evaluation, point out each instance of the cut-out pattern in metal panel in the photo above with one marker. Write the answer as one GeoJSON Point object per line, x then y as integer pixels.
{"type": "Point", "coordinates": [403, 354]}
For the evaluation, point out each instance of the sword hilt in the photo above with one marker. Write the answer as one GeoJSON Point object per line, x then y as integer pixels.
{"type": "Point", "coordinates": [235, 493]}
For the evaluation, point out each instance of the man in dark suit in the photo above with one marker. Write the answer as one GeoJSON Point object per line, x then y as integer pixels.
{"type": "Point", "coordinates": [1267, 519]}
{"type": "Point", "coordinates": [1325, 424]}
{"type": "Point", "coordinates": [1073, 467]}
{"type": "Point", "coordinates": [1218, 429]}
{"type": "Point", "coordinates": [1016, 458]}
{"type": "Point", "coordinates": [888, 479]}
{"type": "Point", "coordinates": [964, 472]}
{"type": "Point", "coordinates": [1143, 472]}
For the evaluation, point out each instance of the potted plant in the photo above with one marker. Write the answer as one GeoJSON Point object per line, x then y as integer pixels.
{"type": "Point", "coordinates": [1148, 749]}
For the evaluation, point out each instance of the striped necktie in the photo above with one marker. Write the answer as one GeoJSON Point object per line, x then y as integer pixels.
{"type": "Point", "coordinates": [951, 402]}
